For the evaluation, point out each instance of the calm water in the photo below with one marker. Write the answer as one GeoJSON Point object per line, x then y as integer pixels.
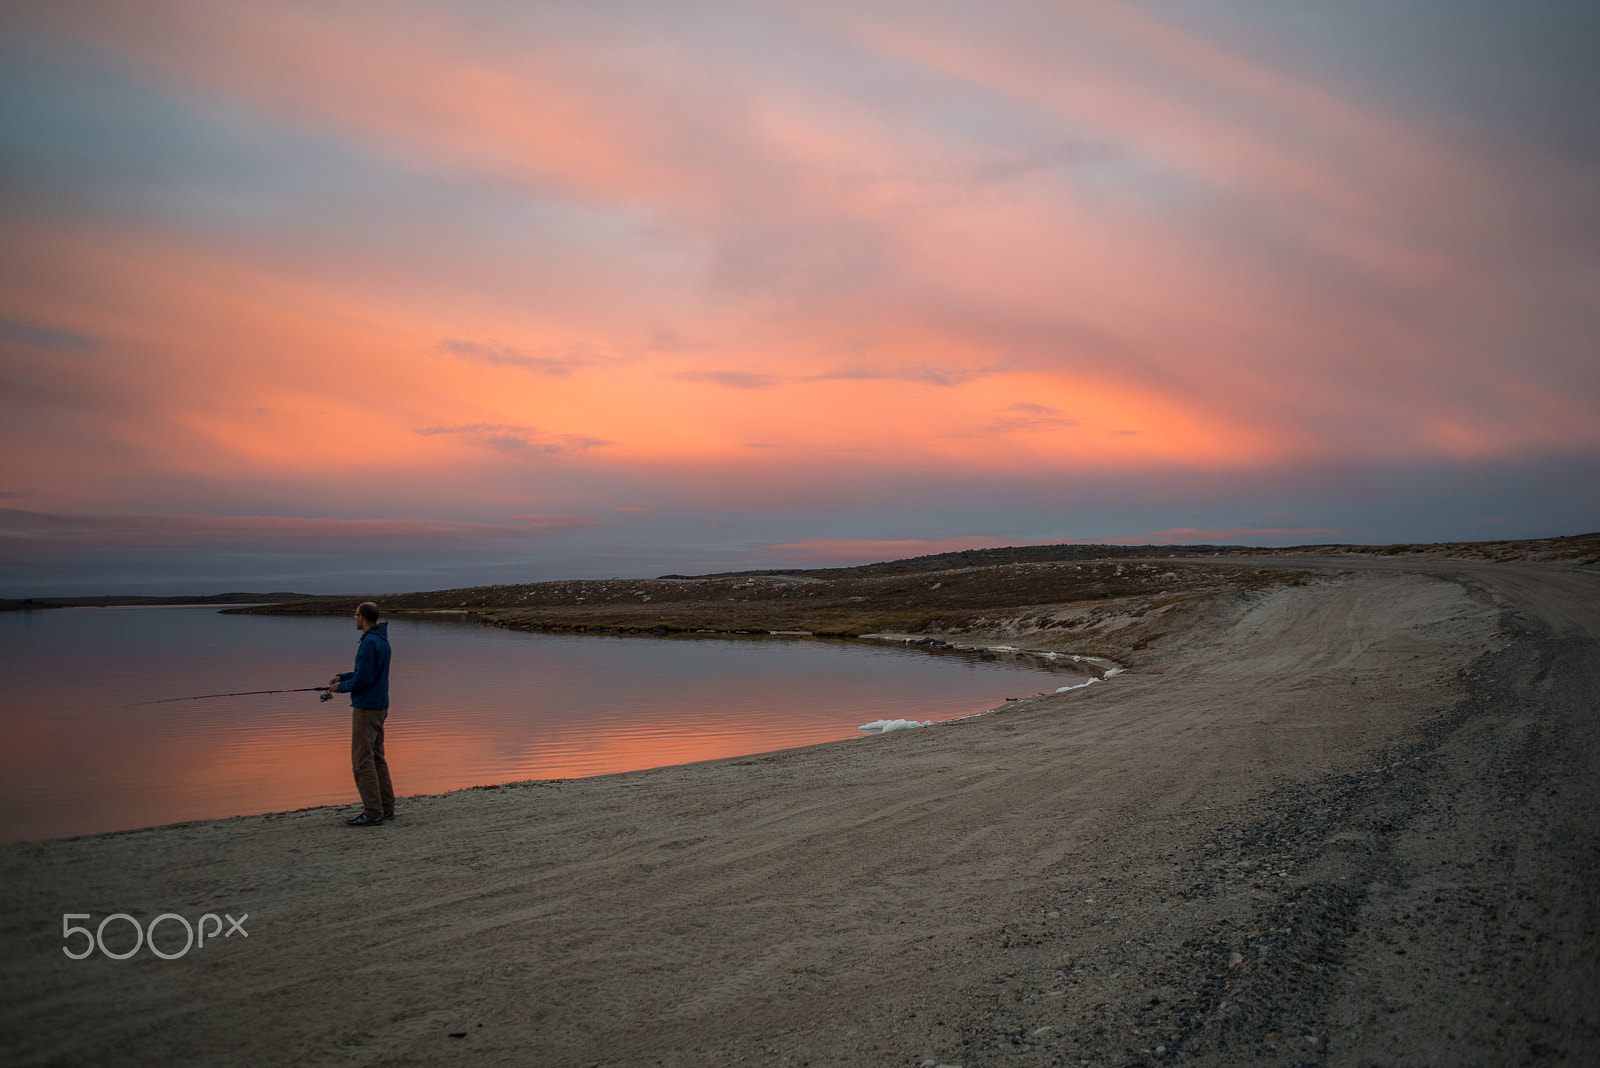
{"type": "Point", "coordinates": [471, 705]}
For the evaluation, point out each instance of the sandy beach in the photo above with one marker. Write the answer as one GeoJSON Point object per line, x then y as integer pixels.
{"type": "Point", "coordinates": [1349, 822]}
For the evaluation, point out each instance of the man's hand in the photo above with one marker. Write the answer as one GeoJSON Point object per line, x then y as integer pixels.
{"type": "Point", "coordinates": [333, 684]}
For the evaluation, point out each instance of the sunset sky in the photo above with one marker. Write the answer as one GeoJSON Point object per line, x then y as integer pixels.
{"type": "Point", "coordinates": [367, 297]}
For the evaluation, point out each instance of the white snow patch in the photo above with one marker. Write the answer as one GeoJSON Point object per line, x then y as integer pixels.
{"type": "Point", "coordinates": [884, 726]}
{"type": "Point", "coordinates": [1109, 673]}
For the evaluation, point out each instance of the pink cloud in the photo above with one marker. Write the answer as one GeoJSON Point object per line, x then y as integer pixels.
{"type": "Point", "coordinates": [1216, 230]}
{"type": "Point", "coordinates": [516, 440]}
{"type": "Point", "coordinates": [492, 355]}
{"type": "Point", "coordinates": [733, 379]}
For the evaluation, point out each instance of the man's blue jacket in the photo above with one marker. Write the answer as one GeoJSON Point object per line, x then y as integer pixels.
{"type": "Point", "coordinates": [368, 684]}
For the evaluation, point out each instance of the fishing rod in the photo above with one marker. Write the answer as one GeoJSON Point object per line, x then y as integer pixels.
{"type": "Point", "coordinates": [326, 696]}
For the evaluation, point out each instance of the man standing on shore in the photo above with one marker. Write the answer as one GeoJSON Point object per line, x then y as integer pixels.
{"type": "Point", "coordinates": [368, 687]}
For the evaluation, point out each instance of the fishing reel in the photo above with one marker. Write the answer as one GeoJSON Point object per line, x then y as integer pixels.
{"type": "Point", "coordinates": [326, 696]}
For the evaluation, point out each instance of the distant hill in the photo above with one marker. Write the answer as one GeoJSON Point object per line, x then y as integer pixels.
{"type": "Point", "coordinates": [1007, 554]}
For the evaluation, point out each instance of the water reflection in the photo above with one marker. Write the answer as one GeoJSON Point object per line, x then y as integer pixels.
{"type": "Point", "coordinates": [472, 706]}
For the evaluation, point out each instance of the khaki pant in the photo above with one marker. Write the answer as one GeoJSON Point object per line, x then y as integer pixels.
{"type": "Point", "coordinates": [367, 762]}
